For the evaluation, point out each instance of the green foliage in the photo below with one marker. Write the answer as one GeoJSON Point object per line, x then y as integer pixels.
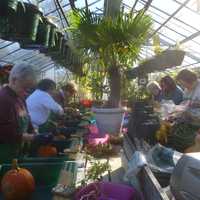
{"type": "Point", "coordinates": [114, 40]}
{"type": "Point", "coordinates": [127, 88]}
{"type": "Point", "coordinates": [96, 171]}
{"type": "Point", "coordinates": [111, 42]}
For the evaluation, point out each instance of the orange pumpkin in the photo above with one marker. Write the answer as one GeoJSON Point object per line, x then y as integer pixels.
{"type": "Point", "coordinates": [47, 151]}
{"type": "Point", "coordinates": [17, 183]}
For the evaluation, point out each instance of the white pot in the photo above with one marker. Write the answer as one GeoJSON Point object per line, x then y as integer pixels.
{"type": "Point", "coordinates": [109, 120]}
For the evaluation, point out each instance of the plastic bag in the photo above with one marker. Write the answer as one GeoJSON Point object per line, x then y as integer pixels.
{"type": "Point", "coordinates": [162, 159]}
{"type": "Point", "coordinates": [167, 107]}
{"type": "Point", "coordinates": [134, 166]}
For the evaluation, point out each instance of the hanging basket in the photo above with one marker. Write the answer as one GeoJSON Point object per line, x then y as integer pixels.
{"type": "Point", "coordinates": [4, 27]}
{"type": "Point", "coordinates": [7, 6]}
{"type": "Point", "coordinates": [42, 37]}
{"type": "Point", "coordinates": [56, 52]}
{"type": "Point", "coordinates": [23, 25]}
{"type": "Point", "coordinates": [59, 36]}
{"type": "Point", "coordinates": [52, 36]}
{"type": "Point", "coordinates": [167, 59]}
{"type": "Point", "coordinates": [60, 56]}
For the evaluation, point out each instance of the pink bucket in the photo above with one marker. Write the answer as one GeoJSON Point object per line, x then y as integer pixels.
{"type": "Point", "coordinates": [98, 140]}
{"type": "Point", "coordinates": [95, 138]}
{"type": "Point", "coordinates": [107, 191]}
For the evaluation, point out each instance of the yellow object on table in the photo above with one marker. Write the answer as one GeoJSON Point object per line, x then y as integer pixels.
{"type": "Point", "coordinates": [163, 132]}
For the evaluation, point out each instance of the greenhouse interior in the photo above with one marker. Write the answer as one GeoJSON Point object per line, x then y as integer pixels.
{"type": "Point", "coordinates": [99, 99]}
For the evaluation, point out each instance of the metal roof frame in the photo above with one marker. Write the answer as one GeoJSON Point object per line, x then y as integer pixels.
{"type": "Point", "coordinates": [171, 16]}
{"type": "Point", "coordinates": [162, 18]}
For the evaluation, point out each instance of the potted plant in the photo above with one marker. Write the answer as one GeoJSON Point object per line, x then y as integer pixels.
{"type": "Point", "coordinates": [116, 42]}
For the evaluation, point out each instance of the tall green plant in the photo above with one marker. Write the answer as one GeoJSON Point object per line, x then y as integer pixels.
{"type": "Point", "coordinates": [116, 42]}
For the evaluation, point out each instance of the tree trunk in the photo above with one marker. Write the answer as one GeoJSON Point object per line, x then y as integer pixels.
{"type": "Point", "coordinates": [115, 89]}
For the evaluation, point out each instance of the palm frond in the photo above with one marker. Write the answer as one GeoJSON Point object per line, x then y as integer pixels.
{"type": "Point", "coordinates": [119, 39]}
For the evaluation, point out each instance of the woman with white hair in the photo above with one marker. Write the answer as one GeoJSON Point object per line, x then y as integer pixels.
{"type": "Point", "coordinates": [15, 123]}
{"type": "Point", "coordinates": [155, 89]}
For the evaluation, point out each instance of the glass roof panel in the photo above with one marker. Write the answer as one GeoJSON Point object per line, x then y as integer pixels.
{"type": "Point", "coordinates": [18, 55]}
{"type": "Point", "coordinates": [7, 50]}
{"type": "Point", "coordinates": [170, 6]}
{"type": "Point", "coordinates": [194, 5]}
{"type": "Point", "coordinates": [181, 26]}
{"type": "Point", "coordinates": [189, 17]}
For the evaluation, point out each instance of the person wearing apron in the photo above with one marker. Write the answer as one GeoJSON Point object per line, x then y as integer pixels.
{"type": "Point", "coordinates": [43, 109]}
{"type": "Point", "coordinates": [15, 124]}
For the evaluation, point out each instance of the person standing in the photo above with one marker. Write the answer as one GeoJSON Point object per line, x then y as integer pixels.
{"type": "Point", "coordinates": [15, 124]}
{"type": "Point", "coordinates": [42, 107]}
{"type": "Point", "coordinates": [189, 81]}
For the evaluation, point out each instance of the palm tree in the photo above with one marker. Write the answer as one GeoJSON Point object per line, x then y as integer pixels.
{"type": "Point", "coordinates": [116, 42]}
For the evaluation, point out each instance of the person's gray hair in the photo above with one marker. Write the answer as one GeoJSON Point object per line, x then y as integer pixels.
{"type": "Point", "coordinates": [150, 86]}
{"type": "Point", "coordinates": [23, 71]}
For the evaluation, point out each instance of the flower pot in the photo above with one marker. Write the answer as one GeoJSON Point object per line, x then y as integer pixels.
{"type": "Point", "coordinates": [42, 37]}
{"type": "Point", "coordinates": [7, 6]}
{"type": "Point", "coordinates": [24, 23]}
{"type": "Point", "coordinates": [109, 120]}
{"type": "Point", "coordinates": [59, 36]}
{"type": "Point", "coordinates": [52, 36]}
{"type": "Point", "coordinates": [4, 27]}
{"type": "Point", "coordinates": [60, 55]}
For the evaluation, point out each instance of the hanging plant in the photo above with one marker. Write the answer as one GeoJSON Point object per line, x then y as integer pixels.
{"type": "Point", "coordinates": [7, 9]}
{"type": "Point", "coordinates": [7, 6]}
{"type": "Point", "coordinates": [59, 36]}
{"type": "Point", "coordinates": [42, 37]}
{"type": "Point", "coordinates": [52, 36]}
{"type": "Point", "coordinates": [160, 62]}
{"type": "Point", "coordinates": [23, 24]}
{"type": "Point", "coordinates": [62, 56]}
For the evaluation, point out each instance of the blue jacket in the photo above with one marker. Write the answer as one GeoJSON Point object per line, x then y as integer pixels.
{"type": "Point", "coordinates": [176, 95]}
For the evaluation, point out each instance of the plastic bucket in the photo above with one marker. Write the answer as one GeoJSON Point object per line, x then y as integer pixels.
{"type": "Point", "coordinates": [108, 191]}
{"type": "Point", "coordinates": [109, 120]}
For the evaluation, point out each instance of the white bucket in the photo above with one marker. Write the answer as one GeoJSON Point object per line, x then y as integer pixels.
{"type": "Point", "coordinates": [109, 120]}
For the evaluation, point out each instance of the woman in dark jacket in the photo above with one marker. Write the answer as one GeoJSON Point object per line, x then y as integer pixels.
{"type": "Point", "coordinates": [170, 91]}
{"type": "Point", "coordinates": [15, 123]}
